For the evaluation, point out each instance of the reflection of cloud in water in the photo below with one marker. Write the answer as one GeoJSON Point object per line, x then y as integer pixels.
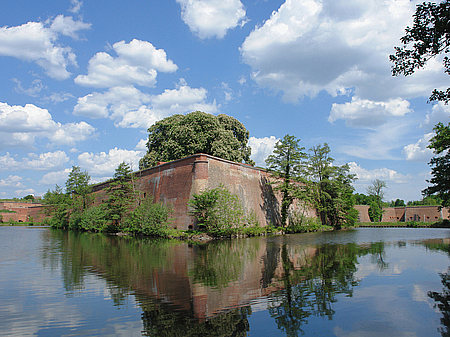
{"type": "Point", "coordinates": [420, 295]}
{"type": "Point", "coordinates": [372, 329]}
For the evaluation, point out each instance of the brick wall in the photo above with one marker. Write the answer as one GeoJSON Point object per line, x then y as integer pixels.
{"type": "Point", "coordinates": [175, 182]}
{"type": "Point", "coordinates": [22, 211]}
{"type": "Point", "coordinates": [409, 213]}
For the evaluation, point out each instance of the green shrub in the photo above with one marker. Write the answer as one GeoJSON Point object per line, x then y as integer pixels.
{"type": "Point", "coordinates": [149, 218]}
{"type": "Point", "coordinates": [300, 223]}
{"type": "Point", "coordinates": [218, 212]}
{"type": "Point", "coordinates": [94, 219]}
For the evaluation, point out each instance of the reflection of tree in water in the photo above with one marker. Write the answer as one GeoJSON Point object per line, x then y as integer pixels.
{"type": "Point", "coordinates": [443, 303]}
{"type": "Point", "coordinates": [161, 321]}
{"type": "Point", "coordinates": [311, 290]}
{"type": "Point", "coordinates": [219, 263]}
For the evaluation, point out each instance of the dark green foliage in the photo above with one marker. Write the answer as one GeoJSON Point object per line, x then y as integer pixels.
{"type": "Point", "coordinates": [431, 200]}
{"type": "Point", "coordinates": [329, 188]}
{"type": "Point", "coordinates": [93, 219]}
{"type": "Point", "coordinates": [179, 136]}
{"type": "Point", "coordinates": [440, 164]}
{"type": "Point", "coordinates": [286, 164]}
{"type": "Point", "coordinates": [59, 207]}
{"type": "Point", "coordinates": [120, 196]}
{"type": "Point", "coordinates": [29, 197]}
{"type": "Point", "coordinates": [218, 212]}
{"type": "Point", "coordinates": [149, 218]}
{"type": "Point", "coordinates": [78, 188]}
{"type": "Point", "coordinates": [428, 37]}
{"type": "Point", "coordinates": [399, 203]}
{"type": "Point", "coordinates": [375, 212]}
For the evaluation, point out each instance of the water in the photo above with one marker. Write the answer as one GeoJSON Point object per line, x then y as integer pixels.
{"type": "Point", "coordinates": [366, 282]}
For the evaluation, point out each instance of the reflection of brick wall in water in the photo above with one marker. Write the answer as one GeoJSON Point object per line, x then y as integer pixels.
{"type": "Point", "coordinates": [408, 213]}
{"type": "Point", "coordinates": [175, 182]}
{"type": "Point", "coordinates": [22, 211]}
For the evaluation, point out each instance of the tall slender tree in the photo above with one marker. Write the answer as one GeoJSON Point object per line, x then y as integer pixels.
{"type": "Point", "coordinates": [120, 195]}
{"type": "Point", "coordinates": [78, 188]}
{"type": "Point", "coordinates": [286, 164]}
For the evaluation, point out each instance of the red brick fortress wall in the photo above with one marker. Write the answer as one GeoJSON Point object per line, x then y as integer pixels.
{"type": "Point", "coordinates": [174, 183]}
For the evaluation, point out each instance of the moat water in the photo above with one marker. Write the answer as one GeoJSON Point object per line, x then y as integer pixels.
{"type": "Point", "coordinates": [364, 282]}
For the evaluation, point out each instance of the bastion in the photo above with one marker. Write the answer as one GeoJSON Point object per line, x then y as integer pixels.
{"type": "Point", "coordinates": [175, 182]}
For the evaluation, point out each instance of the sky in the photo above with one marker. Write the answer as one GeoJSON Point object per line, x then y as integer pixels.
{"type": "Point", "coordinates": [82, 81]}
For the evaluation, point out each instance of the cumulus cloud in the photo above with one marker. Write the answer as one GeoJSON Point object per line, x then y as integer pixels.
{"type": "Point", "coordinates": [55, 177]}
{"type": "Point", "coordinates": [137, 63]}
{"type": "Point", "coordinates": [38, 42]}
{"type": "Point", "coordinates": [419, 151]}
{"type": "Point", "coordinates": [439, 113]}
{"type": "Point", "coordinates": [367, 113]}
{"type": "Point", "coordinates": [340, 47]}
{"type": "Point", "coordinates": [261, 148]}
{"type": "Point", "coordinates": [366, 176]}
{"type": "Point", "coordinates": [43, 161]}
{"type": "Point", "coordinates": [20, 125]}
{"type": "Point", "coordinates": [212, 18]}
{"type": "Point", "coordinates": [128, 107]}
{"type": "Point", "coordinates": [104, 164]}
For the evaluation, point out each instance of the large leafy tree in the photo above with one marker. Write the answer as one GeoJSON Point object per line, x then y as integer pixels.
{"type": "Point", "coordinates": [440, 164]}
{"type": "Point", "coordinates": [286, 164]}
{"type": "Point", "coordinates": [179, 136]}
{"type": "Point", "coordinates": [428, 37]}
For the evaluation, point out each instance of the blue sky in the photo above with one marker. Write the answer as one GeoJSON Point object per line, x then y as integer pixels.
{"type": "Point", "coordinates": [82, 80]}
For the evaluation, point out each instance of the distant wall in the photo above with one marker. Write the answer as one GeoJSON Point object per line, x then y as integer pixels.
{"type": "Point", "coordinates": [22, 211]}
{"type": "Point", "coordinates": [408, 213]}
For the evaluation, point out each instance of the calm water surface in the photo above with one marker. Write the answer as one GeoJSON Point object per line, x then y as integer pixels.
{"type": "Point", "coordinates": [366, 282]}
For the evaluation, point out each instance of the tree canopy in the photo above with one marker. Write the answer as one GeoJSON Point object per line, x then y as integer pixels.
{"type": "Point", "coordinates": [428, 37]}
{"type": "Point", "coordinates": [179, 136]}
{"type": "Point", "coordinates": [440, 164]}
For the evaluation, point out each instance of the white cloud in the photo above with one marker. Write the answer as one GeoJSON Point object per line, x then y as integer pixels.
{"type": "Point", "coordinates": [11, 181]}
{"type": "Point", "coordinates": [20, 125]}
{"type": "Point", "coordinates": [35, 88]}
{"type": "Point", "coordinates": [212, 18]}
{"type": "Point", "coordinates": [67, 26]}
{"type": "Point", "coordinates": [136, 63]}
{"type": "Point", "coordinates": [261, 148]}
{"type": "Point", "coordinates": [104, 164]}
{"type": "Point", "coordinates": [55, 177]}
{"type": "Point", "coordinates": [142, 145]}
{"type": "Point", "coordinates": [338, 46]}
{"type": "Point", "coordinates": [129, 107]}
{"type": "Point", "coordinates": [76, 6]}
{"type": "Point", "coordinates": [43, 161]}
{"type": "Point", "coordinates": [37, 42]}
{"type": "Point", "coordinates": [378, 143]}
{"type": "Point", "coordinates": [24, 192]}
{"type": "Point", "coordinates": [367, 113]}
{"type": "Point", "coordinates": [439, 113]}
{"type": "Point", "coordinates": [388, 175]}
{"type": "Point", "coordinates": [419, 150]}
